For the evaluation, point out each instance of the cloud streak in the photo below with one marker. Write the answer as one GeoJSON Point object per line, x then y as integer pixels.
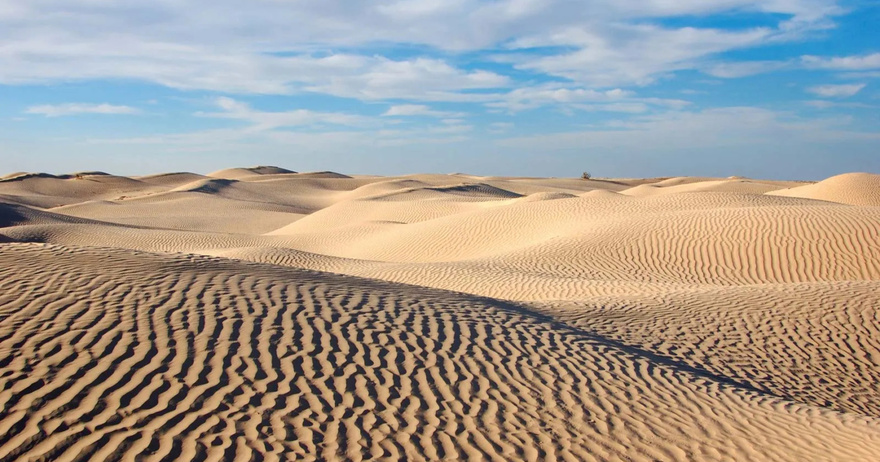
{"type": "Point", "coordinates": [415, 110]}
{"type": "Point", "coordinates": [263, 120]}
{"type": "Point", "coordinates": [69, 109]}
{"type": "Point", "coordinates": [836, 91]}
{"type": "Point", "coordinates": [843, 63]}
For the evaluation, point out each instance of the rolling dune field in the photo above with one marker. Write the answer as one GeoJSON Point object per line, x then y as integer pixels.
{"type": "Point", "coordinates": [263, 314]}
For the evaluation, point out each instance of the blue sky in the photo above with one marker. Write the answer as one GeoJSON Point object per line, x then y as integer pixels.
{"type": "Point", "coordinates": [774, 89]}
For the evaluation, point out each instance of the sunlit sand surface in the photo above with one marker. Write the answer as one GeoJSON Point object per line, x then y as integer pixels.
{"type": "Point", "coordinates": [262, 314]}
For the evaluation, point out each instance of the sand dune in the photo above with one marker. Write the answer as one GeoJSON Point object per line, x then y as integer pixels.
{"type": "Point", "coordinates": [239, 173]}
{"type": "Point", "coordinates": [324, 174]}
{"type": "Point", "coordinates": [199, 317]}
{"type": "Point", "coordinates": [734, 185]}
{"type": "Point", "coordinates": [47, 191]}
{"type": "Point", "coordinates": [14, 214]}
{"type": "Point", "coordinates": [196, 358]}
{"type": "Point", "coordinates": [849, 188]}
{"type": "Point", "coordinates": [170, 179]}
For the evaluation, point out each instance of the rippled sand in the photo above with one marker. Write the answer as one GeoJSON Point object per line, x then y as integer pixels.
{"type": "Point", "coordinates": [258, 314]}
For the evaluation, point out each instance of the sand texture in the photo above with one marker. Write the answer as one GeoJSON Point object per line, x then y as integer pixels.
{"type": "Point", "coordinates": [264, 314]}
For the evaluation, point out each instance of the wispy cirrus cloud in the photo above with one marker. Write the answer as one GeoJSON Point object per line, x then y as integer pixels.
{"type": "Point", "coordinates": [843, 63]}
{"type": "Point", "coordinates": [836, 91]}
{"type": "Point", "coordinates": [561, 95]}
{"type": "Point", "coordinates": [411, 110]}
{"type": "Point", "coordinates": [632, 54]}
{"type": "Point", "coordinates": [734, 70]}
{"type": "Point", "coordinates": [536, 96]}
{"type": "Point", "coordinates": [853, 66]}
{"type": "Point", "coordinates": [266, 120]}
{"type": "Point", "coordinates": [68, 109]}
{"type": "Point", "coordinates": [297, 126]}
{"type": "Point", "coordinates": [420, 78]}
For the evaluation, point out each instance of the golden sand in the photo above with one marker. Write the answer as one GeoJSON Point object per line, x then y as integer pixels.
{"type": "Point", "coordinates": [258, 314]}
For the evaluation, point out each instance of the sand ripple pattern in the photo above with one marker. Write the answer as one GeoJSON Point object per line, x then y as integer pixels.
{"type": "Point", "coordinates": [815, 343]}
{"type": "Point", "coordinates": [121, 355]}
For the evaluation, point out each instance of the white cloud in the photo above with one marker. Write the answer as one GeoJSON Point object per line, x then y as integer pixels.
{"type": "Point", "coordinates": [553, 94]}
{"type": "Point", "coordinates": [413, 9]}
{"type": "Point", "coordinates": [451, 129]}
{"type": "Point", "coordinates": [295, 127]}
{"type": "Point", "coordinates": [629, 107]}
{"type": "Point", "coordinates": [421, 78]}
{"type": "Point", "coordinates": [633, 54]}
{"type": "Point", "coordinates": [261, 120]}
{"type": "Point", "coordinates": [840, 63]}
{"type": "Point", "coordinates": [536, 96]}
{"type": "Point", "coordinates": [407, 110]}
{"type": "Point", "coordinates": [836, 91]}
{"type": "Point", "coordinates": [322, 141]}
{"type": "Point", "coordinates": [188, 68]}
{"type": "Point", "coordinates": [843, 63]}
{"type": "Point", "coordinates": [58, 110]}
{"type": "Point", "coordinates": [281, 47]}
{"type": "Point", "coordinates": [734, 70]}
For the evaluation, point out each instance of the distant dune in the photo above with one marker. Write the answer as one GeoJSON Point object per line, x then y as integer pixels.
{"type": "Point", "coordinates": [236, 173]}
{"type": "Point", "coordinates": [259, 313]}
{"type": "Point", "coordinates": [849, 188]}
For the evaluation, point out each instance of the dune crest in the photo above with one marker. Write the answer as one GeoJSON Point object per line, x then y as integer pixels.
{"type": "Point", "coordinates": [238, 173]}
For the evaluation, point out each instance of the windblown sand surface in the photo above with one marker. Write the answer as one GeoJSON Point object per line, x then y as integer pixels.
{"type": "Point", "coordinates": [259, 313]}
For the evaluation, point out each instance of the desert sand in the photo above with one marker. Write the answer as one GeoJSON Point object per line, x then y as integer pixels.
{"type": "Point", "coordinates": [263, 314]}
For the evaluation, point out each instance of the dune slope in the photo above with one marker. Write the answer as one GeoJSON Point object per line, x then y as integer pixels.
{"type": "Point", "coordinates": [815, 343]}
{"type": "Point", "coordinates": [119, 354]}
{"type": "Point", "coordinates": [849, 188]}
